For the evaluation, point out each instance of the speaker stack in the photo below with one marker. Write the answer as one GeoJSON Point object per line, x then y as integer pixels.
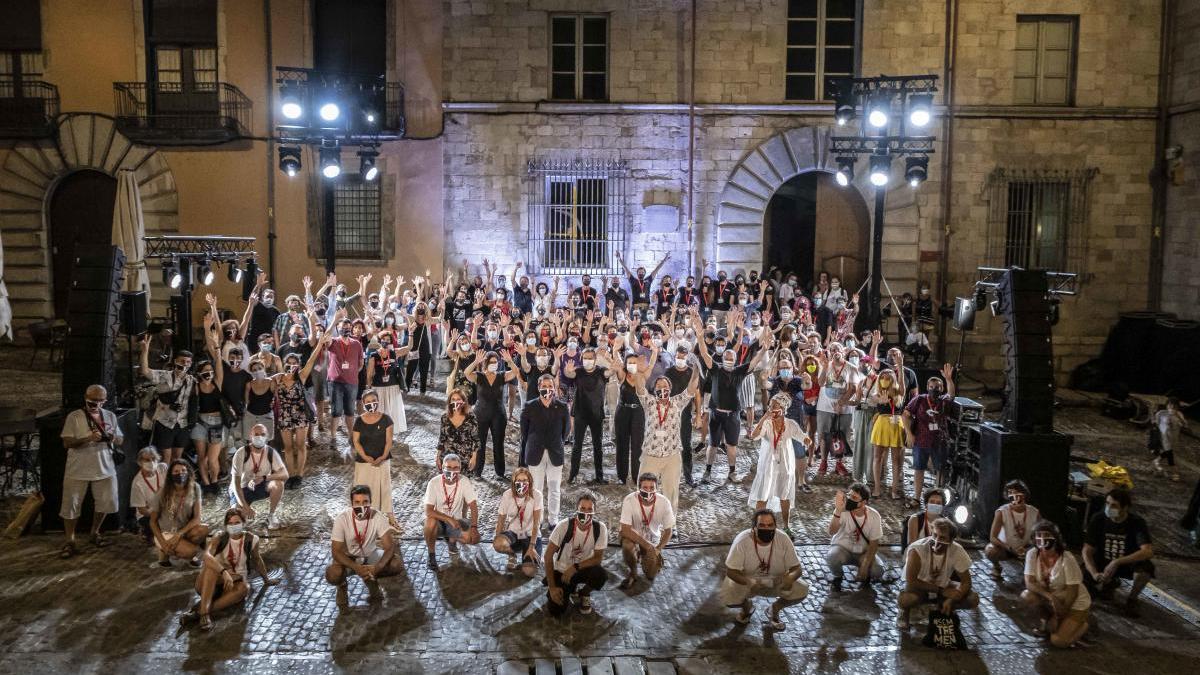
{"type": "Point", "coordinates": [1024, 308]}
{"type": "Point", "coordinates": [93, 313]}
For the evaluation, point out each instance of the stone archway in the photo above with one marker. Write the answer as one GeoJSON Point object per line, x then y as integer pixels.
{"type": "Point", "coordinates": [30, 172]}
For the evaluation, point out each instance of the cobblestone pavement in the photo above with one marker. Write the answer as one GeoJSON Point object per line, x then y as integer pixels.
{"type": "Point", "coordinates": [113, 609]}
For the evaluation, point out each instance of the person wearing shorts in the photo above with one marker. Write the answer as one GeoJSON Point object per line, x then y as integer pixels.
{"type": "Point", "coordinates": [89, 435]}
{"type": "Point", "coordinates": [345, 360]}
{"type": "Point", "coordinates": [762, 562]}
{"type": "Point", "coordinates": [172, 389]}
{"type": "Point", "coordinates": [449, 497]}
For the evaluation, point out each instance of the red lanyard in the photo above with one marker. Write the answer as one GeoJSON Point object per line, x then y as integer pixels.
{"type": "Point", "coordinates": [1018, 527]}
{"type": "Point", "coordinates": [256, 464]}
{"type": "Point", "coordinates": [859, 531]}
{"type": "Point", "coordinates": [687, 296]}
{"type": "Point", "coordinates": [449, 497]}
{"type": "Point", "coordinates": [661, 411]}
{"type": "Point", "coordinates": [778, 436]}
{"type": "Point", "coordinates": [641, 286]}
{"type": "Point", "coordinates": [937, 569]}
{"type": "Point", "coordinates": [360, 538]}
{"type": "Point", "coordinates": [646, 519]}
{"type": "Point", "coordinates": [157, 482]}
{"type": "Point", "coordinates": [764, 566]}
{"type": "Point", "coordinates": [521, 512]}
{"type": "Point", "coordinates": [585, 292]}
{"type": "Point", "coordinates": [234, 560]}
{"type": "Point", "coordinates": [721, 292]}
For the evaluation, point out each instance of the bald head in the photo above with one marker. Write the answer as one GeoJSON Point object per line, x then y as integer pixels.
{"type": "Point", "coordinates": [96, 392]}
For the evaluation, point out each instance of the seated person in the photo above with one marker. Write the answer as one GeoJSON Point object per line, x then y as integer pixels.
{"type": "Point", "coordinates": [918, 525]}
{"type": "Point", "coordinates": [448, 498]}
{"type": "Point", "coordinates": [762, 561]}
{"type": "Point", "coordinates": [1012, 527]}
{"type": "Point", "coordinates": [363, 545]}
{"type": "Point", "coordinates": [257, 472]}
{"type": "Point", "coordinates": [576, 549]}
{"type": "Point", "coordinates": [223, 580]}
{"type": "Point", "coordinates": [175, 517]}
{"type": "Point", "coordinates": [147, 483]}
{"type": "Point", "coordinates": [517, 522]}
{"type": "Point", "coordinates": [1054, 587]}
{"type": "Point", "coordinates": [1118, 546]}
{"type": "Point", "coordinates": [647, 519]}
{"type": "Point", "coordinates": [928, 566]}
{"type": "Point", "coordinates": [856, 530]}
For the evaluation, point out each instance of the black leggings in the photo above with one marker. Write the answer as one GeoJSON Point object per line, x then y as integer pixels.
{"type": "Point", "coordinates": [587, 420]}
{"type": "Point", "coordinates": [584, 582]}
{"type": "Point", "coordinates": [422, 362]}
{"type": "Point", "coordinates": [631, 428]}
{"type": "Point", "coordinates": [496, 422]}
{"type": "Point", "coordinates": [685, 437]}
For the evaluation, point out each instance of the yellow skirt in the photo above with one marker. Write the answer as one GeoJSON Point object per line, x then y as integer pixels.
{"type": "Point", "coordinates": [887, 434]}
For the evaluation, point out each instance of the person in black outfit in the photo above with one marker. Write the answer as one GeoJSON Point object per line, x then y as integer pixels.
{"type": "Point", "coordinates": [522, 295]}
{"type": "Point", "coordinates": [664, 297]}
{"type": "Point", "coordinates": [590, 381]}
{"type": "Point", "coordinates": [420, 349]}
{"type": "Point", "coordinates": [615, 298]}
{"type": "Point", "coordinates": [535, 363]}
{"type": "Point", "coordinates": [486, 373]}
{"type": "Point", "coordinates": [263, 313]}
{"type": "Point", "coordinates": [639, 284]}
{"type": "Point", "coordinates": [545, 424]}
{"type": "Point", "coordinates": [680, 376]}
{"type": "Point", "coordinates": [587, 295]}
{"type": "Point", "coordinates": [723, 291]}
{"type": "Point", "coordinates": [1118, 546]}
{"type": "Point", "coordinates": [630, 418]}
{"type": "Point", "coordinates": [233, 388]}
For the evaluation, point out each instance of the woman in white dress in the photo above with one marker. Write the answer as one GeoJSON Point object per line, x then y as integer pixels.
{"type": "Point", "coordinates": [385, 374]}
{"type": "Point", "coordinates": [775, 479]}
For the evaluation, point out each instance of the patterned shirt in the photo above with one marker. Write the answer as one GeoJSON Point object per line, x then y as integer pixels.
{"type": "Point", "coordinates": [662, 427]}
{"type": "Point", "coordinates": [461, 440]}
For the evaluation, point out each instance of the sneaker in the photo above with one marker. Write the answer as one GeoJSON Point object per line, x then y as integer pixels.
{"type": "Point", "coordinates": [585, 604]}
{"type": "Point", "coordinates": [806, 488]}
{"type": "Point", "coordinates": [273, 522]}
{"type": "Point", "coordinates": [432, 562]}
{"type": "Point", "coordinates": [824, 467]}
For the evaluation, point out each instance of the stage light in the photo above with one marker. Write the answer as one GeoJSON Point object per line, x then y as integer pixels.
{"type": "Point", "coordinates": [881, 165]}
{"type": "Point", "coordinates": [879, 110]}
{"type": "Point", "coordinates": [290, 107]}
{"type": "Point", "coordinates": [329, 111]}
{"type": "Point", "coordinates": [845, 172]}
{"type": "Point", "coordinates": [331, 162]}
{"type": "Point", "coordinates": [181, 277]}
{"type": "Point", "coordinates": [205, 273]}
{"type": "Point", "coordinates": [920, 109]}
{"type": "Point", "coordinates": [370, 115]}
{"type": "Point", "coordinates": [289, 159]}
{"type": "Point", "coordinates": [234, 272]}
{"type": "Point", "coordinates": [168, 272]}
{"type": "Point", "coordinates": [916, 170]}
{"type": "Point", "coordinates": [843, 103]}
{"type": "Point", "coordinates": [961, 515]}
{"type": "Point", "coordinates": [366, 164]}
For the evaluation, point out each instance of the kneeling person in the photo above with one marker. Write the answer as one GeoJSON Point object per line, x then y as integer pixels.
{"type": "Point", "coordinates": [222, 581]}
{"type": "Point", "coordinates": [257, 472]}
{"type": "Point", "coordinates": [448, 498]}
{"type": "Point", "coordinates": [517, 522]}
{"type": "Point", "coordinates": [927, 569]}
{"type": "Point", "coordinates": [362, 545]}
{"type": "Point", "coordinates": [647, 519]}
{"type": "Point", "coordinates": [576, 548]}
{"type": "Point", "coordinates": [762, 562]}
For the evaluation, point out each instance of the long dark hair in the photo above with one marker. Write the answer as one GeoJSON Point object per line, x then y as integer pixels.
{"type": "Point", "coordinates": [170, 497]}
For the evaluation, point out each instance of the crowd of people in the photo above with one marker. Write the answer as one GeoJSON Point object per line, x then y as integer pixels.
{"type": "Point", "coordinates": [672, 372]}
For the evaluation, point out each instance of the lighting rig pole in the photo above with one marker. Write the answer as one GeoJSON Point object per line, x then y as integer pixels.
{"type": "Point", "coordinates": [883, 136]}
{"type": "Point", "coordinates": [188, 260]}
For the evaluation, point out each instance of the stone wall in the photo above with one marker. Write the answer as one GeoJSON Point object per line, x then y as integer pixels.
{"type": "Point", "coordinates": [1181, 273]}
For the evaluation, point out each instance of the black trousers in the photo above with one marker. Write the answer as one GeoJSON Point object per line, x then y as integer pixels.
{"type": "Point", "coordinates": [593, 421]}
{"type": "Point", "coordinates": [685, 436]}
{"type": "Point", "coordinates": [421, 362]}
{"type": "Point", "coordinates": [496, 422]}
{"type": "Point", "coordinates": [631, 429]}
{"type": "Point", "coordinates": [584, 582]}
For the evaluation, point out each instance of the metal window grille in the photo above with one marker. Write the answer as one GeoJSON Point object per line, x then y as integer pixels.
{"type": "Point", "coordinates": [1045, 60]}
{"type": "Point", "coordinates": [577, 217]}
{"type": "Point", "coordinates": [1038, 219]}
{"type": "Point", "coordinates": [578, 58]}
{"type": "Point", "coordinates": [357, 227]}
{"type": "Point", "coordinates": [821, 43]}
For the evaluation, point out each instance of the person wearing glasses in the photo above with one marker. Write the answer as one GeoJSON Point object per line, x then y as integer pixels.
{"type": "Point", "coordinates": [90, 434]}
{"type": "Point", "coordinates": [928, 566]}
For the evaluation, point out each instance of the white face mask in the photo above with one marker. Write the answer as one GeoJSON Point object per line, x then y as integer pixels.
{"type": "Point", "coordinates": [719, 349]}
{"type": "Point", "coordinates": [933, 509]}
{"type": "Point", "coordinates": [572, 345]}
{"type": "Point", "coordinates": [492, 335]}
{"type": "Point", "coordinates": [589, 363]}
{"type": "Point", "coordinates": [678, 332]}
{"type": "Point", "coordinates": [493, 367]}
{"type": "Point", "coordinates": [531, 341]}
{"type": "Point", "coordinates": [148, 467]}
{"type": "Point", "coordinates": [260, 374]}
{"type": "Point", "coordinates": [258, 441]}
{"type": "Point", "coordinates": [543, 361]}
{"type": "Point", "coordinates": [631, 368]}
{"type": "Point", "coordinates": [235, 529]}
{"type": "Point", "coordinates": [656, 342]}
{"type": "Point", "coordinates": [680, 363]}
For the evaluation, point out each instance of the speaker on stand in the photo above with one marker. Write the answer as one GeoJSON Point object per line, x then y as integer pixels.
{"type": "Point", "coordinates": [134, 322]}
{"type": "Point", "coordinates": [93, 316]}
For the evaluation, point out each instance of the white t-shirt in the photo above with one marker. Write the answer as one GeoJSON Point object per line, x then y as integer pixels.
{"type": "Point", "coordinates": [1065, 573]}
{"type": "Point", "coordinates": [833, 385]}
{"type": "Point", "coordinates": [648, 521]}
{"type": "Point", "coordinates": [849, 536]}
{"type": "Point", "coordinates": [143, 491]}
{"type": "Point", "coordinates": [518, 513]}
{"type": "Point", "coordinates": [1017, 528]}
{"type": "Point", "coordinates": [250, 472]}
{"type": "Point", "coordinates": [361, 537]}
{"type": "Point", "coordinates": [954, 559]}
{"type": "Point", "coordinates": [236, 552]}
{"type": "Point", "coordinates": [90, 461]}
{"type": "Point", "coordinates": [748, 556]}
{"type": "Point", "coordinates": [582, 545]}
{"type": "Point", "coordinates": [451, 500]}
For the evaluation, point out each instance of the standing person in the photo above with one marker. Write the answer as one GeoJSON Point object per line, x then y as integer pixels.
{"type": "Point", "coordinates": [451, 509]}
{"type": "Point", "coordinates": [223, 580]}
{"type": "Point", "coordinates": [1054, 588]}
{"type": "Point", "coordinates": [616, 299]}
{"type": "Point", "coordinates": [1012, 526]}
{"type": "Point", "coordinates": [588, 410]}
{"type": "Point", "coordinates": [775, 479]}
{"type": "Point", "coordinates": [522, 294]}
{"type": "Point", "coordinates": [928, 566]}
{"type": "Point", "coordinates": [545, 424]}
{"type": "Point", "coordinates": [421, 348]}
{"type": "Point", "coordinates": [762, 563]}
{"type": "Point", "coordinates": [372, 445]}
{"type": "Point", "coordinates": [89, 435]}
{"type": "Point", "coordinates": [257, 472]}
{"type": "Point", "coordinates": [1118, 546]}
{"type": "Point", "coordinates": [295, 413]}
{"type": "Point", "coordinates": [385, 375]}
{"type": "Point", "coordinates": [856, 530]}
{"type": "Point", "coordinates": [1170, 422]}
{"type": "Point", "coordinates": [175, 517]}
{"type": "Point", "coordinates": [834, 412]}
{"type": "Point", "coordinates": [647, 520]}
{"type": "Point", "coordinates": [208, 433]}
{"type": "Point", "coordinates": [887, 433]}
{"type": "Point", "coordinates": [684, 375]}
{"type": "Point", "coordinates": [263, 312]}
{"type": "Point", "coordinates": [260, 401]}
{"type": "Point", "coordinates": [787, 382]}
{"type": "Point", "coordinates": [489, 379]}
{"type": "Point", "coordinates": [172, 389]}
{"type": "Point", "coordinates": [459, 432]}
{"type": "Point", "coordinates": [639, 283]}
{"type": "Point", "coordinates": [363, 545]}
{"type": "Point", "coordinates": [518, 520]}
{"type": "Point", "coordinates": [662, 450]}
{"type": "Point", "coordinates": [630, 420]}
{"type": "Point", "coordinates": [925, 425]}
{"type": "Point", "coordinates": [574, 554]}
{"type": "Point", "coordinates": [345, 360]}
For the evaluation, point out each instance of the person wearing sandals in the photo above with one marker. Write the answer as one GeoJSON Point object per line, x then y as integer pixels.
{"type": "Point", "coordinates": [517, 522]}
{"type": "Point", "coordinates": [175, 517]}
{"type": "Point", "coordinates": [775, 475]}
{"type": "Point", "coordinates": [449, 497]}
{"type": "Point", "coordinates": [856, 530]}
{"type": "Point", "coordinates": [789, 383]}
{"type": "Point", "coordinates": [647, 519]}
{"type": "Point", "coordinates": [1012, 527]}
{"type": "Point", "coordinates": [89, 435]}
{"type": "Point", "coordinates": [1054, 587]}
{"type": "Point", "coordinates": [928, 564]}
{"type": "Point", "coordinates": [887, 432]}
{"type": "Point", "coordinates": [761, 562]}
{"type": "Point", "coordinates": [364, 544]}
{"type": "Point", "coordinates": [222, 581]}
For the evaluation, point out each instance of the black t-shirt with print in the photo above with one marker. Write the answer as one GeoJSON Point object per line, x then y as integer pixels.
{"type": "Point", "coordinates": [1112, 540]}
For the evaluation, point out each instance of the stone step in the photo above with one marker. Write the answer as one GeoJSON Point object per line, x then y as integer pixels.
{"type": "Point", "coordinates": [596, 665]}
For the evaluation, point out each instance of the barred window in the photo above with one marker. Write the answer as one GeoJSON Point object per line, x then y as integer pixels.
{"type": "Point", "coordinates": [357, 225]}
{"type": "Point", "coordinates": [1038, 219]}
{"type": "Point", "coordinates": [576, 215]}
{"type": "Point", "coordinates": [579, 58]}
{"type": "Point", "coordinates": [1045, 60]}
{"type": "Point", "coordinates": [821, 41]}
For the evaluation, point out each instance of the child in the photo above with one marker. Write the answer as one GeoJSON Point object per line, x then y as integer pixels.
{"type": "Point", "coordinates": [1169, 422]}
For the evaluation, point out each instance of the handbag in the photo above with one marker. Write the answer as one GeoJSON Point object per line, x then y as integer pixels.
{"type": "Point", "coordinates": [944, 631]}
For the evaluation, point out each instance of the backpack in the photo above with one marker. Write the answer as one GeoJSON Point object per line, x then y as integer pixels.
{"type": "Point", "coordinates": [944, 631]}
{"type": "Point", "coordinates": [571, 535]}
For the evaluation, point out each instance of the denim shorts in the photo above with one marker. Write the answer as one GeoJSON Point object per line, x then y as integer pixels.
{"type": "Point", "coordinates": [343, 399]}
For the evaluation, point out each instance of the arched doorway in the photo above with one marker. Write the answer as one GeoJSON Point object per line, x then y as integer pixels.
{"type": "Point", "coordinates": [80, 215]}
{"type": "Point", "coordinates": [811, 224]}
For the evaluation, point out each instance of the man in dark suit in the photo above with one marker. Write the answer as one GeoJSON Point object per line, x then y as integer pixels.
{"type": "Point", "coordinates": [545, 425]}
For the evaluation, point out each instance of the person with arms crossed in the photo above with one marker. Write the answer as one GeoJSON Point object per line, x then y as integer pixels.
{"type": "Point", "coordinates": [647, 520]}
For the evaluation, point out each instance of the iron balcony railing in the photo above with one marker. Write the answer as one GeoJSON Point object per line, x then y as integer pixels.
{"type": "Point", "coordinates": [174, 113]}
{"type": "Point", "coordinates": [28, 108]}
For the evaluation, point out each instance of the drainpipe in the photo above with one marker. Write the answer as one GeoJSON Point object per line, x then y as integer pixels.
{"type": "Point", "coordinates": [691, 207]}
{"type": "Point", "coordinates": [270, 134]}
{"type": "Point", "coordinates": [1162, 130]}
{"type": "Point", "coordinates": [948, 74]}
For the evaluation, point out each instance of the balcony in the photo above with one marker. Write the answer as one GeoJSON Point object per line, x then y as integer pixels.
{"type": "Point", "coordinates": [170, 113]}
{"type": "Point", "coordinates": [27, 109]}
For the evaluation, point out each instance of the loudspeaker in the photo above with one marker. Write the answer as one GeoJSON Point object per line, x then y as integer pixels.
{"type": "Point", "coordinates": [964, 313]}
{"type": "Point", "coordinates": [52, 457]}
{"type": "Point", "coordinates": [93, 306]}
{"type": "Point", "coordinates": [1041, 460]}
{"type": "Point", "coordinates": [133, 312]}
{"type": "Point", "coordinates": [1024, 308]}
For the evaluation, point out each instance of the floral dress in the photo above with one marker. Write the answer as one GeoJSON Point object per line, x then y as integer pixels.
{"type": "Point", "coordinates": [293, 406]}
{"type": "Point", "coordinates": [461, 440]}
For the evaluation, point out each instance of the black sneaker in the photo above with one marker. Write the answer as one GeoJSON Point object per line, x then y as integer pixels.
{"type": "Point", "coordinates": [432, 562]}
{"type": "Point", "coordinates": [707, 477]}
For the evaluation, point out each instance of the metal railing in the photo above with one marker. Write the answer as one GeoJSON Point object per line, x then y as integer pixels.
{"type": "Point", "coordinates": [173, 113]}
{"type": "Point", "coordinates": [393, 118]}
{"type": "Point", "coordinates": [577, 215]}
{"type": "Point", "coordinates": [27, 109]}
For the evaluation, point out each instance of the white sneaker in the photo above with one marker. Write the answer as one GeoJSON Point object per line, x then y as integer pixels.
{"type": "Point", "coordinates": [273, 522]}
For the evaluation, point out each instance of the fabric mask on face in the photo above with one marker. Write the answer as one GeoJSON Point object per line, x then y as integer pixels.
{"type": "Point", "coordinates": [583, 517]}
{"type": "Point", "coordinates": [933, 509]}
{"type": "Point", "coordinates": [206, 375]}
{"type": "Point", "coordinates": [531, 341]}
{"type": "Point", "coordinates": [719, 349]}
{"type": "Point", "coordinates": [631, 368]}
{"type": "Point", "coordinates": [765, 535]}
{"type": "Point", "coordinates": [937, 545]}
{"type": "Point", "coordinates": [543, 361]}
{"type": "Point", "coordinates": [852, 505]}
{"type": "Point", "coordinates": [493, 367]}
{"type": "Point", "coordinates": [292, 368]}
{"type": "Point", "coordinates": [265, 347]}
{"type": "Point", "coordinates": [450, 475]}
{"type": "Point", "coordinates": [680, 363]}
{"type": "Point", "coordinates": [360, 512]}
{"type": "Point", "coordinates": [589, 363]}
{"type": "Point", "coordinates": [148, 467]}
{"type": "Point", "coordinates": [521, 487]}
{"type": "Point", "coordinates": [259, 374]}
{"type": "Point", "coordinates": [728, 365]}
{"type": "Point", "coordinates": [235, 529]}
{"type": "Point", "coordinates": [646, 496]}
{"type": "Point", "coordinates": [1045, 543]}
{"type": "Point", "coordinates": [179, 478]}
{"type": "Point", "coordinates": [1112, 512]}
{"type": "Point", "coordinates": [546, 394]}
{"type": "Point", "coordinates": [785, 373]}
{"type": "Point", "coordinates": [258, 441]}
{"type": "Point", "coordinates": [371, 407]}
{"type": "Point", "coordinates": [662, 394]}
